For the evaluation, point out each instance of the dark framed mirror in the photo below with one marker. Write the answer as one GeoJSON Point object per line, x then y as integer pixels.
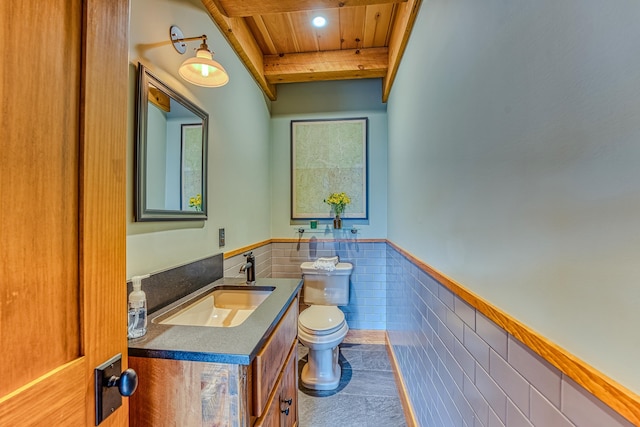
{"type": "Point", "coordinates": [171, 153]}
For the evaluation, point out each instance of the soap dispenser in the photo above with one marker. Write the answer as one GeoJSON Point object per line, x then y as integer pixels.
{"type": "Point", "coordinates": [137, 323]}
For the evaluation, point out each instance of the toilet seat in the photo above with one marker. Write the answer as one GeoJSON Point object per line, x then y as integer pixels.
{"type": "Point", "coordinates": [321, 320]}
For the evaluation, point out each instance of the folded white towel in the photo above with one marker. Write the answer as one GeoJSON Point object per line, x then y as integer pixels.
{"type": "Point", "coordinates": [328, 264]}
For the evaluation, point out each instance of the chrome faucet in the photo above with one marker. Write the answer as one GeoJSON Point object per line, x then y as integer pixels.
{"type": "Point", "coordinates": [250, 268]}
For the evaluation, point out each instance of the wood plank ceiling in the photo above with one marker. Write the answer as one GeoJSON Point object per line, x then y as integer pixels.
{"type": "Point", "coordinates": [277, 43]}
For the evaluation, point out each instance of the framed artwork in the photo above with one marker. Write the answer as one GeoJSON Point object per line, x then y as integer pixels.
{"type": "Point", "coordinates": [328, 156]}
{"type": "Point", "coordinates": [191, 167]}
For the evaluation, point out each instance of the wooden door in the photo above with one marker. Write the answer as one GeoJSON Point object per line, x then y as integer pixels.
{"type": "Point", "coordinates": [63, 91]}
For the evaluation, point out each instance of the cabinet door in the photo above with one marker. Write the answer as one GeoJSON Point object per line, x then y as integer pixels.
{"type": "Point", "coordinates": [289, 391]}
{"type": "Point", "coordinates": [282, 406]}
{"type": "Point", "coordinates": [267, 366]}
{"type": "Point", "coordinates": [271, 416]}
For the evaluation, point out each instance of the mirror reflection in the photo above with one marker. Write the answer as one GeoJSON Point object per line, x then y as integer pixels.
{"type": "Point", "coordinates": [171, 153]}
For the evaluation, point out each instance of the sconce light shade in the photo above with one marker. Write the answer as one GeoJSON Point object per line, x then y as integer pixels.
{"type": "Point", "coordinates": [200, 70]}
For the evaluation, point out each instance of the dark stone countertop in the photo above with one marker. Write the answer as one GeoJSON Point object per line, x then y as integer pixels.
{"type": "Point", "coordinates": [234, 345]}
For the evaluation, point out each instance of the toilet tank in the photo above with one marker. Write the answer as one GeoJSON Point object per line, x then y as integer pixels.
{"type": "Point", "coordinates": [323, 287]}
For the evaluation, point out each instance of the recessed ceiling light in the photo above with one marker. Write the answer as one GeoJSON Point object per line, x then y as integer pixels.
{"type": "Point", "coordinates": [319, 21]}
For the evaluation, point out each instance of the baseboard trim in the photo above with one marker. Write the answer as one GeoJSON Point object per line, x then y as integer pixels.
{"type": "Point", "coordinates": [409, 413]}
{"type": "Point", "coordinates": [365, 336]}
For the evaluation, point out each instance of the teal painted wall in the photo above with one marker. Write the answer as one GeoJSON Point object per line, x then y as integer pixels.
{"type": "Point", "coordinates": [249, 162]}
{"type": "Point", "coordinates": [329, 100]}
{"type": "Point", "coordinates": [514, 131]}
{"type": "Point", "coordinates": [239, 185]}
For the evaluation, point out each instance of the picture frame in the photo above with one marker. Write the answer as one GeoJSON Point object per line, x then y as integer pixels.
{"type": "Point", "coordinates": [191, 185]}
{"type": "Point", "coordinates": [329, 156]}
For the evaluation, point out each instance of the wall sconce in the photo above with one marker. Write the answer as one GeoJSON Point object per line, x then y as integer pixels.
{"type": "Point", "coordinates": [200, 70]}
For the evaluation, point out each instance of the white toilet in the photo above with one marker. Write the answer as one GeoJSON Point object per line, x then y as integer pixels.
{"type": "Point", "coordinates": [322, 327]}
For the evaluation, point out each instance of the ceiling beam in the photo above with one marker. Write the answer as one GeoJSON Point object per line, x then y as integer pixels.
{"type": "Point", "coordinates": [331, 65]}
{"type": "Point", "coordinates": [242, 41]}
{"type": "Point", "coordinates": [235, 8]}
{"type": "Point", "coordinates": [404, 20]}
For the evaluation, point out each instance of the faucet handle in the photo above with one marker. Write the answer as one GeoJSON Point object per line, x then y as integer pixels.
{"type": "Point", "coordinates": [248, 254]}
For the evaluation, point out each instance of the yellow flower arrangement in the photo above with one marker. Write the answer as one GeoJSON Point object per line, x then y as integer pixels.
{"type": "Point", "coordinates": [338, 201]}
{"type": "Point", "coordinates": [196, 202]}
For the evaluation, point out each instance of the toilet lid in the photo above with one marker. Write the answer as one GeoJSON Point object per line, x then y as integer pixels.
{"type": "Point", "coordinates": [321, 319]}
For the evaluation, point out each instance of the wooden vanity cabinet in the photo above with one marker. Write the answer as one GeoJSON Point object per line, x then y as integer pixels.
{"type": "Point", "coordinates": [178, 392]}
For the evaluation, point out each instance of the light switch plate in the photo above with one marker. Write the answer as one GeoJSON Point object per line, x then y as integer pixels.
{"type": "Point", "coordinates": [221, 237]}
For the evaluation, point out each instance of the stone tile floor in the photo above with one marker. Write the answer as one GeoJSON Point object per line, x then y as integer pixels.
{"type": "Point", "coordinates": [366, 396]}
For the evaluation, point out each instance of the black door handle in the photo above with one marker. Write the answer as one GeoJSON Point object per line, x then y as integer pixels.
{"type": "Point", "coordinates": [127, 382]}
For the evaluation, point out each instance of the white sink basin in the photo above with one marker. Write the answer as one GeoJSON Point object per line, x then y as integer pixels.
{"type": "Point", "coordinates": [224, 307]}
